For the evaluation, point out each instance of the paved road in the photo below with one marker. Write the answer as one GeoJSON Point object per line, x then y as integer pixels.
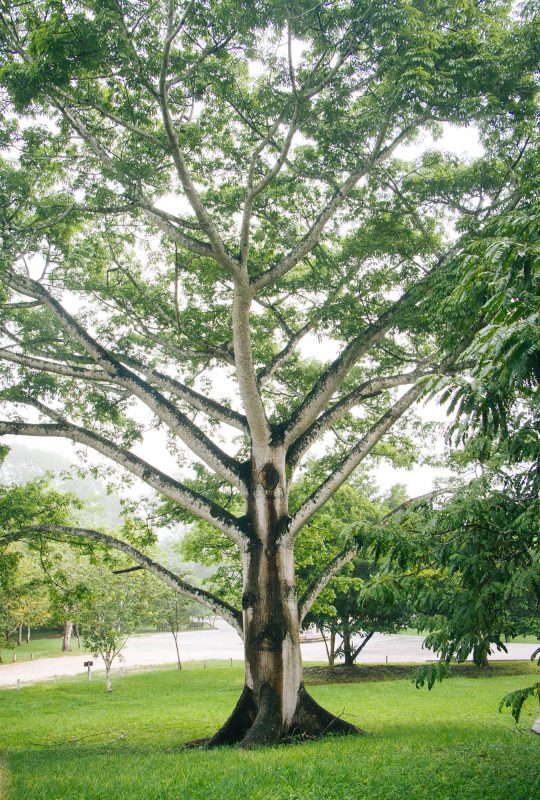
{"type": "Point", "coordinates": [223, 643]}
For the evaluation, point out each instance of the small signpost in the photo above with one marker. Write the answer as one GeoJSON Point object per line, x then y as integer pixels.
{"type": "Point", "coordinates": [89, 665]}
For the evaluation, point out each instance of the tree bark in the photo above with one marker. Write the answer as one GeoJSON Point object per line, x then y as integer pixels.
{"type": "Point", "coordinates": [347, 647]}
{"type": "Point", "coordinates": [480, 656]}
{"type": "Point", "coordinates": [19, 634]}
{"type": "Point", "coordinates": [178, 660]}
{"type": "Point", "coordinates": [28, 634]}
{"type": "Point", "coordinates": [66, 638]}
{"type": "Point", "coordinates": [274, 704]}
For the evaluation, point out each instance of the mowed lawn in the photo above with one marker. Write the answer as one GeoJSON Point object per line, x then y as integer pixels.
{"type": "Point", "coordinates": [43, 647]}
{"type": "Point", "coordinates": [70, 740]}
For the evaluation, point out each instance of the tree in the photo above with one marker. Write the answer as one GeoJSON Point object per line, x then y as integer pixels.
{"type": "Point", "coordinates": [22, 600]}
{"type": "Point", "coordinates": [471, 566]}
{"type": "Point", "coordinates": [176, 612]}
{"type": "Point", "coordinates": [498, 420]}
{"type": "Point", "coordinates": [30, 603]}
{"type": "Point", "coordinates": [350, 615]}
{"type": "Point", "coordinates": [112, 609]}
{"type": "Point", "coordinates": [215, 184]}
{"type": "Point", "coordinates": [67, 581]}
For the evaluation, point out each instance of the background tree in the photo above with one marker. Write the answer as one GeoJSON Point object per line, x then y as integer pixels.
{"type": "Point", "coordinates": [176, 613]}
{"type": "Point", "coordinates": [111, 610]}
{"type": "Point", "coordinates": [213, 186]}
{"type": "Point", "coordinates": [23, 600]}
{"type": "Point", "coordinates": [30, 602]}
{"type": "Point", "coordinates": [351, 618]}
{"type": "Point", "coordinates": [472, 566]}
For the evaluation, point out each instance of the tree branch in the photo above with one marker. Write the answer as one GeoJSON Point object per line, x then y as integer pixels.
{"type": "Point", "coordinates": [367, 389]}
{"type": "Point", "coordinates": [179, 423]}
{"type": "Point", "coordinates": [253, 190]}
{"type": "Point", "coordinates": [221, 607]}
{"type": "Point", "coordinates": [209, 407]}
{"type": "Point", "coordinates": [220, 251]}
{"type": "Point", "coordinates": [135, 194]}
{"type": "Point", "coordinates": [245, 369]}
{"type": "Point", "coordinates": [332, 378]}
{"type": "Point", "coordinates": [317, 585]}
{"type": "Point", "coordinates": [193, 501]}
{"type": "Point", "coordinates": [311, 238]}
{"type": "Point", "coordinates": [205, 404]}
{"type": "Point", "coordinates": [280, 358]}
{"type": "Point", "coordinates": [351, 461]}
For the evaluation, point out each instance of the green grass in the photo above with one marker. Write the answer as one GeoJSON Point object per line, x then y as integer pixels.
{"type": "Point", "coordinates": [45, 647]}
{"type": "Point", "coordinates": [71, 740]}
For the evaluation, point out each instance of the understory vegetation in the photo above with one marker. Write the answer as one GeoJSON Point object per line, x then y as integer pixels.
{"type": "Point", "coordinates": [71, 740]}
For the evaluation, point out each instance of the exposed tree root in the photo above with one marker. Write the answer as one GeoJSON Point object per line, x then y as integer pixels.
{"type": "Point", "coordinates": [249, 727]}
{"type": "Point", "coordinates": [238, 724]}
{"type": "Point", "coordinates": [313, 720]}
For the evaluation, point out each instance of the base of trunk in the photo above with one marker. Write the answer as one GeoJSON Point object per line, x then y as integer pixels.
{"type": "Point", "coordinates": [252, 726]}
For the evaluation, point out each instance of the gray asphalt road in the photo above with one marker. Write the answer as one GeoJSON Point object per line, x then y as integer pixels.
{"type": "Point", "coordinates": [223, 643]}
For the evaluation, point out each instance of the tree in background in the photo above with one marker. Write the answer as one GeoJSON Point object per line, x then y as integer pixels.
{"type": "Point", "coordinates": [352, 614]}
{"type": "Point", "coordinates": [213, 185]}
{"type": "Point", "coordinates": [471, 566]}
{"type": "Point", "coordinates": [176, 613]}
{"type": "Point", "coordinates": [22, 600]}
{"type": "Point", "coordinates": [30, 602]}
{"type": "Point", "coordinates": [111, 610]}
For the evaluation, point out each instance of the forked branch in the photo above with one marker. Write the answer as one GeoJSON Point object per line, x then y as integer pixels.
{"type": "Point", "coordinates": [179, 423]}
{"type": "Point", "coordinates": [348, 464]}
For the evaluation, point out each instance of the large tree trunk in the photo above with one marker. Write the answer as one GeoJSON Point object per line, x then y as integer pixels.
{"type": "Point", "coordinates": [66, 639]}
{"type": "Point", "coordinates": [274, 704]}
{"type": "Point", "coordinates": [19, 634]}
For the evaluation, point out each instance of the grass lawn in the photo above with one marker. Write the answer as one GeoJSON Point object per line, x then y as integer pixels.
{"type": "Point", "coordinates": [72, 741]}
{"type": "Point", "coordinates": [46, 647]}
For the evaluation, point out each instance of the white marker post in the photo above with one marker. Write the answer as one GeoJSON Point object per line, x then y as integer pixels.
{"type": "Point", "coordinates": [89, 665]}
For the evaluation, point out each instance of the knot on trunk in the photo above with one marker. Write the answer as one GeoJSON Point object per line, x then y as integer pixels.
{"type": "Point", "coordinates": [268, 477]}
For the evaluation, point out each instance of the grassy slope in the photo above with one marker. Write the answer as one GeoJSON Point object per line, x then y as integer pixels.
{"type": "Point", "coordinates": [71, 740]}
